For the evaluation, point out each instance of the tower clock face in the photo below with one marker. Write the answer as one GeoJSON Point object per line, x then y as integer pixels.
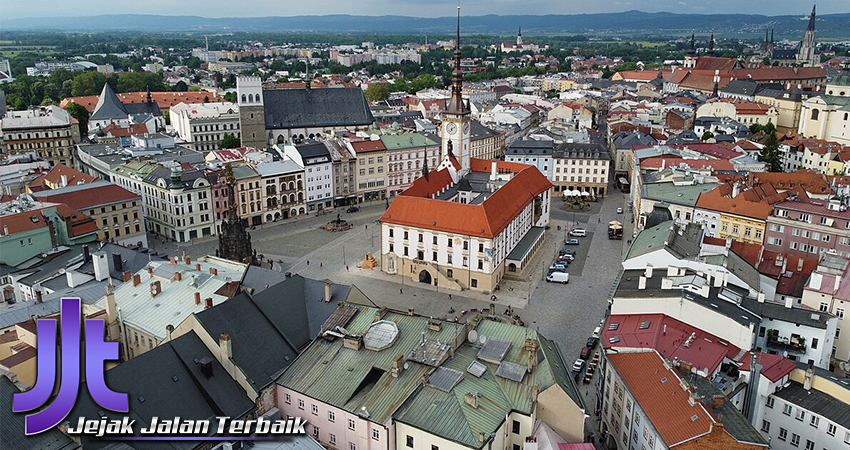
{"type": "Point", "coordinates": [451, 128]}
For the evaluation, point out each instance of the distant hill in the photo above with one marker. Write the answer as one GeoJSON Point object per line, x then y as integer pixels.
{"type": "Point", "coordinates": [624, 22]}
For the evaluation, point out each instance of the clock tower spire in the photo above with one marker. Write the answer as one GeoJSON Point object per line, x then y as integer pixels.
{"type": "Point", "coordinates": [455, 126]}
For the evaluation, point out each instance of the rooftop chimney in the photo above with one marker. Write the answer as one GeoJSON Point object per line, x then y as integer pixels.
{"type": "Point", "coordinates": [156, 288]}
{"type": "Point", "coordinates": [717, 401]}
{"type": "Point", "coordinates": [188, 261]}
{"type": "Point", "coordinates": [397, 365]}
{"type": "Point", "coordinates": [648, 271]}
{"type": "Point", "coordinates": [38, 296]}
{"type": "Point", "coordinates": [178, 276]}
{"type": "Point", "coordinates": [101, 266]}
{"type": "Point", "coordinates": [760, 297]}
{"type": "Point", "coordinates": [149, 269]}
{"type": "Point", "coordinates": [64, 180]}
{"type": "Point", "coordinates": [225, 346]}
{"type": "Point", "coordinates": [213, 271]}
{"type": "Point", "coordinates": [126, 276]}
{"type": "Point", "coordinates": [172, 259]}
{"type": "Point", "coordinates": [197, 298]}
{"type": "Point", "coordinates": [471, 399]}
{"type": "Point", "coordinates": [807, 383]}
{"type": "Point", "coordinates": [328, 294]}
{"type": "Point", "coordinates": [493, 171]}
{"type": "Point", "coordinates": [198, 267]}
{"type": "Point", "coordinates": [206, 366]}
{"type": "Point", "coordinates": [208, 303]}
{"type": "Point", "coordinates": [642, 283]}
{"type": "Point", "coordinates": [352, 342]}
{"type": "Point", "coordinates": [117, 265]}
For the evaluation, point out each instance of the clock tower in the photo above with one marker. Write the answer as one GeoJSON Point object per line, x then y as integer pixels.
{"type": "Point", "coordinates": [455, 127]}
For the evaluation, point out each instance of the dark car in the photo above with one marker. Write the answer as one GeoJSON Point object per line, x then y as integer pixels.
{"type": "Point", "coordinates": [566, 251]}
{"type": "Point", "coordinates": [592, 341]}
{"type": "Point", "coordinates": [585, 353]}
{"type": "Point", "coordinates": [352, 208]}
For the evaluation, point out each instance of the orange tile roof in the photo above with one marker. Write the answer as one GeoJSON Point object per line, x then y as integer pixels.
{"type": "Point", "coordinates": [812, 182]}
{"type": "Point", "coordinates": [665, 402]}
{"type": "Point", "coordinates": [16, 223]}
{"type": "Point", "coordinates": [718, 439]}
{"type": "Point", "coordinates": [98, 195]}
{"type": "Point", "coordinates": [486, 219]}
{"type": "Point", "coordinates": [368, 146]}
{"type": "Point", "coordinates": [117, 131]}
{"type": "Point", "coordinates": [739, 206]}
{"type": "Point", "coordinates": [164, 100]}
{"type": "Point", "coordinates": [715, 63]}
{"type": "Point", "coordinates": [779, 73]}
{"type": "Point", "coordinates": [54, 177]}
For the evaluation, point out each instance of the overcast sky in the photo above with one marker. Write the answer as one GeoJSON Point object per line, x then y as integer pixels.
{"type": "Point", "coordinates": [422, 8]}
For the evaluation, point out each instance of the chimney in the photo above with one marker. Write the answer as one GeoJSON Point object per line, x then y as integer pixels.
{"type": "Point", "coordinates": [648, 271]}
{"type": "Point", "coordinates": [213, 271]}
{"type": "Point", "coordinates": [800, 265]}
{"type": "Point", "coordinates": [5, 230]}
{"type": "Point", "coordinates": [168, 330]}
{"type": "Point", "coordinates": [172, 259]}
{"type": "Point", "coordinates": [810, 374]}
{"type": "Point", "coordinates": [760, 297]}
{"type": "Point", "coordinates": [149, 269]}
{"type": "Point", "coordinates": [64, 180]}
{"type": "Point", "coordinates": [178, 276]}
{"type": "Point", "coordinates": [137, 279]}
{"type": "Point", "coordinates": [86, 255]}
{"type": "Point", "coordinates": [328, 294]}
{"type": "Point", "coordinates": [208, 303]}
{"type": "Point", "coordinates": [111, 307]}
{"type": "Point", "coordinates": [117, 265]}
{"type": "Point", "coordinates": [471, 399]}
{"type": "Point", "coordinates": [126, 276]}
{"type": "Point", "coordinates": [198, 267]}
{"type": "Point", "coordinates": [101, 266]}
{"type": "Point", "coordinates": [789, 302]}
{"type": "Point", "coordinates": [188, 261]}
{"type": "Point", "coordinates": [156, 288]}
{"type": "Point", "coordinates": [397, 365]}
{"type": "Point", "coordinates": [718, 279]}
{"type": "Point", "coordinates": [410, 311]}
{"type": "Point", "coordinates": [197, 298]}
{"type": "Point", "coordinates": [642, 283]}
{"type": "Point", "coordinates": [736, 189]}
{"type": "Point", "coordinates": [352, 341]}
{"type": "Point", "coordinates": [493, 171]}
{"type": "Point", "coordinates": [225, 346]}
{"type": "Point", "coordinates": [717, 401]}
{"type": "Point", "coordinates": [206, 366]}
{"type": "Point", "coordinates": [38, 296]}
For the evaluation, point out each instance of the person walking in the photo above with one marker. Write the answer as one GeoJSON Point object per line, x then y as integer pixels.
{"type": "Point", "coordinates": [401, 292]}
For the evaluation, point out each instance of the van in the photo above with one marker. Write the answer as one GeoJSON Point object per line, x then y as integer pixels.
{"type": "Point", "coordinates": [558, 277]}
{"type": "Point", "coordinates": [578, 232]}
{"type": "Point", "coordinates": [596, 332]}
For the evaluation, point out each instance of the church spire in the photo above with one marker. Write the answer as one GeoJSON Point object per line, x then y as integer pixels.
{"type": "Point", "coordinates": [812, 19]}
{"type": "Point", "coordinates": [457, 106]}
{"type": "Point", "coordinates": [711, 45]}
{"type": "Point", "coordinates": [692, 49]}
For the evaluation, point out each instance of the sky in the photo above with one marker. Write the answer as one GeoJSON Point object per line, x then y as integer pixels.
{"type": "Point", "coordinates": [11, 9]}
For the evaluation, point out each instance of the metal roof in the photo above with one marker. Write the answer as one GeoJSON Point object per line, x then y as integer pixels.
{"type": "Point", "coordinates": [511, 371]}
{"type": "Point", "coordinates": [493, 350]}
{"type": "Point", "coordinates": [445, 379]}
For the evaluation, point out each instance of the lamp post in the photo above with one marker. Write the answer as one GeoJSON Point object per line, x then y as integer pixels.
{"type": "Point", "coordinates": [343, 255]}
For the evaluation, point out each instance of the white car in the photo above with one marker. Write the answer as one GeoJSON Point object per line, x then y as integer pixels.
{"type": "Point", "coordinates": [619, 210]}
{"type": "Point", "coordinates": [578, 232]}
{"type": "Point", "coordinates": [578, 365]}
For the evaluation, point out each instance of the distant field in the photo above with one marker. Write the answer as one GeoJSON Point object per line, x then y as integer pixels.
{"type": "Point", "coordinates": [10, 51]}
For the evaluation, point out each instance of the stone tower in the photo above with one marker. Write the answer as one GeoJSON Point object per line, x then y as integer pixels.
{"type": "Point", "coordinates": [691, 57]}
{"type": "Point", "coordinates": [234, 242]}
{"type": "Point", "coordinates": [455, 128]}
{"type": "Point", "coordinates": [252, 122]}
{"type": "Point", "coordinates": [807, 55]}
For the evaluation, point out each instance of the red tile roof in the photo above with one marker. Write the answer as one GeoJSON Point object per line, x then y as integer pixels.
{"type": "Point", "coordinates": [164, 100]}
{"type": "Point", "coordinates": [368, 146]}
{"type": "Point", "coordinates": [713, 63]}
{"type": "Point", "coordinates": [812, 182]}
{"type": "Point", "coordinates": [751, 253]}
{"type": "Point", "coordinates": [94, 196]}
{"type": "Point", "coordinates": [117, 131]}
{"type": "Point", "coordinates": [54, 177]}
{"type": "Point", "coordinates": [773, 367]}
{"type": "Point", "coordinates": [20, 357]}
{"type": "Point", "coordinates": [656, 162]}
{"type": "Point", "coordinates": [23, 221]}
{"type": "Point", "coordinates": [486, 219]}
{"type": "Point", "coordinates": [658, 391]}
{"type": "Point", "coordinates": [716, 201]}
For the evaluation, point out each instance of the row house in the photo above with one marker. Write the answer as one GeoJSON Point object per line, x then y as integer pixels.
{"type": "Point", "coordinates": [203, 126]}
{"type": "Point", "coordinates": [809, 228]}
{"type": "Point", "coordinates": [345, 173]}
{"type": "Point", "coordinates": [249, 194]}
{"type": "Point", "coordinates": [316, 160]}
{"type": "Point", "coordinates": [736, 211]}
{"type": "Point", "coordinates": [282, 189]}
{"type": "Point", "coordinates": [178, 204]}
{"type": "Point", "coordinates": [370, 169]}
{"type": "Point", "coordinates": [407, 154]}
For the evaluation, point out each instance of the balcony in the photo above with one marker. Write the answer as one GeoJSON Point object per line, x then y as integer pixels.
{"type": "Point", "coordinates": [795, 343]}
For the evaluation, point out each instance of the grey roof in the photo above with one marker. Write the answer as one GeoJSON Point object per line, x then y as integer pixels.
{"type": "Point", "coordinates": [574, 150]}
{"type": "Point", "coordinates": [294, 442]}
{"type": "Point", "coordinates": [167, 382]}
{"type": "Point", "coordinates": [628, 290]}
{"type": "Point", "coordinates": [685, 137]}
{"type": "Point", "coordinates": [187, 177]}
{"type": "Point", "coordinates": [277, 168]}
{"type": "Point", "coordinates": [108, 106]}
{"type": "Point", "coordinates": [524, 245]}
{"type": "Point", "coordinates": [479, 131]}
{"type": "Point", "coordinates": [741, 87]}
{"type": "Point", "coordinates": [817, 402]}
{"type": "Point", "coordinates": [625, 139]}
{"type": "Point", "coordinates": [678, 195]}
{"type": "Point", "coordinates": [12, 426]}
{"type": "Point", "coordinates": [778, 311]}
{"type": "Point", "coordinates": [733, 421]}
{"type": "Point", "coordinates": [313, 152]}
{"type": "Point", "coordinates": [137, 109]}
{"type": "Point", "coordinates": [297, 108]}
{"type": "Point", "coordinates": [258, 279]}
{"type": "Point", "coordinates": [528, 147]}
{"type": "Point", "coordinates": [132, 259]}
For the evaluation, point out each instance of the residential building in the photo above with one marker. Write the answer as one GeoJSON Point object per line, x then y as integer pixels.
{"type": "Point", "coordinates": [164, 100]}
{"type": "Point", "coordinates": [178, 203]}
{"type": "Point", "coordinates": [581, 168]}
{"type": "Point", "coordinates": [249, 194]}
{"type": "Point", "coordinates": [827, 292]}
{"type": "Point", "coordinates": [794, 331]}
{"type": "Point", "coordinates": [809, 228]}
{"type": "Point", "coordinates": [788, 105]}
{"type": "Point", "coordinates": [282, 189]}
{"type": "Point", "coordinates": [622, 144]}
{"type": "Point", "coordinates": [118, 212]}
{"type": "Point", "coordinates": [284, 116]}
{"type": "Point", "coordinates": [370, 170]}
{"type": "Point", "coordinates": [384, 388]}
{"type": "Point", "coordinates": [316, 160]}
{"type": "Point", "coordinates": [344, 172]}
{"type": "Point", "coordinates": [104, 160]}
{"type": "Point", "coordinates": [407, 155]}
{"type": "Point", "coordinates": [676, 197]}
{"type": "Point", "coordinates": [571, 113]}
{"type": "Point", "coordinates": [58, 177]}
{"type": "Point", "coordinates": [49, 131]}
{"type": "Point", "coordinates": [745, 112]}
{"type": "Point", "coordinates": [485, 143]}
{"type": "Point", "coordinates": [736, 210]}
{"type": "Point", "coordinates": [202, 126]}
{"type": "Point", "coordinates": [30, 228]}
{"type": "Point", "coordinates": [534, 153]}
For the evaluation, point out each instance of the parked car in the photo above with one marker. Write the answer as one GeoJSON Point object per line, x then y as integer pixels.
{"type": "Point", "coordinates": [585, 353]}
{"type": "Point", "coordinates": [592, 341]}
{"type": "Point", "coordinates": [571, 242]}
{"type": "Point", "coordinates": [558, 265]}
{"type": "Point", "coordinates": [619, 210]}
{"type": "Point", "coordinates": [578, 232]}
{"type": "Point", "coordinates": [597, 331]}
{"type": "Point", "coordinates": [558, 277]}
{"type": "Point", "coordinates": [566, 258]}
{"type": "Point", "coordinates": [578, 365]}
{"type": "Point", "coordinates": [566, 251]}
{"type": "Point", "coordinates": [352, 208]}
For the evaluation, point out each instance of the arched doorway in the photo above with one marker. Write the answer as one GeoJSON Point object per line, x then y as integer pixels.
{"type": "Point", "coordinates": [511, 267]}
{"type": "Point", "coordinates": [425, 277]}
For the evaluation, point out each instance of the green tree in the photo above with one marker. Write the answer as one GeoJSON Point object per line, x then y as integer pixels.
{"type": "Point", "coordinates": [229, 141]}
{"type": "Point", "coordinates": [87, 83]}
{"type": "Point", "coordinates": [707, 135]}
{"type": "Point", "coordinates": [424, 81]}
{"type": "Point", "coordinates": [140, 81]}
{"type": "Point", "coordinates": [181, 86]}
{"type": "Point", "coordinates": [230, 97]}
{"type": "Point", "coordinates": [377, 92]}
{"type": "Point", "coordinates": [770, 154]}
{"type": "Point", "coordinates": [81, 114]}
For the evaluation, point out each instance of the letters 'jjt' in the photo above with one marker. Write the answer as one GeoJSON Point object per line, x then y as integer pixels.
{"type": "Point", "coordinates": [97, 351]}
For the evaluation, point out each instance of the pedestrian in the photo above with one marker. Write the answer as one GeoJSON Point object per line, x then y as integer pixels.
{"type": "Point", "coordinates": [599, 219]}
{"type": "Point", "coordinates": [450, 296]}
{"type": "Point", "coordinates": [346, 267]}
{"type": "Point", "coordinates": [367, 226]}
{"type": "Point", "coordinates": [400, 292]}
{"type": "Point", "coordinates": [308, 262]}
{"type": "Point", "coordinates": [321, 264]}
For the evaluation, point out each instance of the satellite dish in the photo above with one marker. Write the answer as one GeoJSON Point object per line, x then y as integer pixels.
{"type": "Point", "coordinates": [473, 336]}
{"type": "Point", "coordinates": [482, 339]}
{"type": "Point", "coordinates": [406, 366]}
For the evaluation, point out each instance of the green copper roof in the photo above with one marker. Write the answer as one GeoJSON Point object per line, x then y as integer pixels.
{"type": "Point", "coordinates": [406, 140]}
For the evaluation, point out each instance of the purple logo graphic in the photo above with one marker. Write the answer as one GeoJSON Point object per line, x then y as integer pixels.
{"type": "Point", "coordinates": [97, 351]}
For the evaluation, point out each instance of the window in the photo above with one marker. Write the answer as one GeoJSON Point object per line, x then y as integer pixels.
{"type": "Point", "coordinates": [434, 447]}
{"type": "Point", "coordinates": [420, 237]}
{"type": "Point", "coordinates": [449, 272]}
{"type": "Point", "coordinates": [474, 283]}
{"type": "Point", "coordinates": [847, 437]}
{"type": "Point", "coordinates": [810, 445]}
{"type": "Point", "coordinates": [405, 235]}
{"type": "Point", "coordinates": [830, 429]}
{"type": "Point", "coordinates": [795, 439]}
{"type": "Point", "coordinates": [480, 248]}
{"type": "Point", "coordinates": [801, 415]}
{"type": "Point", "coordinates": [765, 426]}
{"type": "Point", "coordinates": [815, 421]}
{"type": "Point", "coordinates": [814, 346]}
{"type": "Point", "coordinates": [332, 438]}
{"type": "Point", "coordinates": [376, 434]}
{"type": "Point", "coordinates": [480, 264]}
{"type": "Point", "coordinates": [824, 307]}
{"type": "Point", "coordinates": [351, 446]}
{"type": "Point", "coordinates": [769, 402]}
{"type": "Point", "coordinates": [409, 441]}
{"type": "Point", "coordinates": [839, 312]}
{"type": "Point", "coordinates": [316, 432]}
{"type": "Point", "coordinates": [314, 409]}
{"type": "Point", "coordinates": [391, 232]}
{"type": "Point", "coordinates": [331, 416]}
{"type": "Point", "coordinates": [786, 409]}
{"type": "Point", "coordinates": [783, 434]}
{"type": "Point", "coordinates": [434, 240]}
{"type": "Point", "coordinates": [350, 424]}
{"type": "Point", "coordinates": [300, 404]}
{"type": "Point", "coordinates": [287, 399]}
{"type": "Point", "coordinates": [515, 427]}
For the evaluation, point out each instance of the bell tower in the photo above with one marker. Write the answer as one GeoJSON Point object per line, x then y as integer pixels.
{"type": "Point", "coordinates": [252, 121]}
{"type": "Point", "coordinates": [455, 128]}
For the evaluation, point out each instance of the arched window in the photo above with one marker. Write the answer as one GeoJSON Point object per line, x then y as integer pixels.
{"type": "Point", "coordinates": [250, 98]}
{"type": "Point", "coordinates": [815, 114]}
{"type": "Point", "coordinates": [280, 139]}
{"type": "Point", "coordinates": [243, 98]}
{"type": "Point", "coordinates": [300, 186]}
{"type": "Point", "coordinates": [291, 198]}
{"type": "Point", "coordinates": [300, 197]}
